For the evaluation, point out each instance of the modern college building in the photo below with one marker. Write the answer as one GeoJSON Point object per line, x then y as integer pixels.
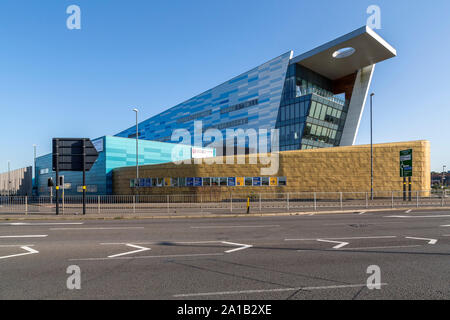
{"type": "Point", "coordinates": [315, 99]}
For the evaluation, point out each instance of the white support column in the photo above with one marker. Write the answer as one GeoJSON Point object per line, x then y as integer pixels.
{"type": "Point", "coordinates": [357, 103]}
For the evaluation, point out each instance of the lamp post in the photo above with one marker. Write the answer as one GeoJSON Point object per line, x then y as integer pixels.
{"type": "Point", "coordinates": [371, 147]}
{"type": "Point", "coordinates": [35, 173]}
{"type": "Point", "coordinates": [443, 175]}
{"type": "Point", "coordinates": [136, 185]}
{"type": "Point", "coordinates": [9, 178]}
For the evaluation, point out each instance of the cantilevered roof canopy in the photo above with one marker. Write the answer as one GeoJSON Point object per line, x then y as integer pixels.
{"type": "Point", "coordinates": [369, 47]}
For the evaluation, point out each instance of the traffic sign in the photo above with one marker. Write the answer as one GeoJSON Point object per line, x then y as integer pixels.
{"type": "Point", "coordinates": [68, 154]}
{"type": "Point", "coordinates": [406, 163]}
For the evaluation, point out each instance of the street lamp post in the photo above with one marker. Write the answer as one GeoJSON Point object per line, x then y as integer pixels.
{"type": "Point", "coordinates": [35, 173]}
{"type": "Point", "coordinates": [136, 185]}
{"type": "Point", "coordinates": [443, 176]}
{"type": "Point", "coordinates": [371, 147]}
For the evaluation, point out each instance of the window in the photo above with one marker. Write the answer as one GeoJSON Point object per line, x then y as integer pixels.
{"type": "Point", "coordinates": [182, 182]}
{"type": "Point", "coordinates": [215, 181]}
{"type": "Point", "coordinates": [223, 181]}
{"type": "Point", "coordinates": [43, 171]}
{"type": "Point", "coordinates": [265, 181]}
{"type": "Point", "coordinates": [206, 181]}
{"type": "Point", "coordinates": [281, 181]}
{"type": "Point", "coordinates": [174, 182]}
{"type": "Point", "coordinates": [313, 109]}
{"type": "Point", "coordinates": [248, 181]}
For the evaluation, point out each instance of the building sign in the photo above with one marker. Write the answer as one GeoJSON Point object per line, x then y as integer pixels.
{"type": "Point", "coordinates": [189, 182]}
{"type": "Point", "coordinates": [198, 153]}
{"type": "Point", "coordinates": [273, 181]}
{"type": "Point", "coordinates": [240, 181]}
{"type": "Point", "coordinates": [231, 181]}
{"type": "Point", "coordinates": [197, 182]}
{"type": "Point", "coordinates": [257, 181]}
{"type": "Point", "coordinates": [406, 163]}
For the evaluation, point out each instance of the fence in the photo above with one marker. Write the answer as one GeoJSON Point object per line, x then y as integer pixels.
{"type": "Point", "coordinates": [179, 204]}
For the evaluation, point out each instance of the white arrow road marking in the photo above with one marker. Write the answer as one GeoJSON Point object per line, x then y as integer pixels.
{"type": "Point", "coordinates": [39, 224]}
{"type": "Point", "coordinates": [408, 211]}
{"type": "Point", "coordinates": [140, 249]}
{"type": "Point", "coordinates": [242, 246]}
{"type": "Point", "coordinates": [340, 245]}
{"type": "Point", "coordinates": [362, 212]}
{"type": "Point", "coordinates": [411, 217]}
{"type": "Point", "coordinates": [25, 236]}
{"type": "Point", "coordinates": [430, 241]}
{"type": "Point", "coordinates": [26, 248]}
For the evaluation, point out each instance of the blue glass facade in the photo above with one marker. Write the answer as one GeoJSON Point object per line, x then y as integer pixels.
{"type": "Point", "coordinates": [114, 152]}
{"type": "Point", "coordinates": [278, 94]}
{"type": "Point", "coordinates": [250, 100]}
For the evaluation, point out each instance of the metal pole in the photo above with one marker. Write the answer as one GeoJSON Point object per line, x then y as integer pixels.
{"type": "Point", "coordinates": [371, 147]}
{"type": "Point", "coordinates": [287, 204]}
{"type": "Point", "coordinates": [137, 153]}
{"type": "Point", "coordinates": [443, 176]}
{"type": "Point", "coordinates": [57, 176]}
{"type": "Point", "coordinates": [84, 176]}
{"type": "Point", "coordinates": [9, 178]}
{"type": "Point", "coordinates": [315, 202]}
{"type": "Point", "coordinates": [35, 172]}
{"type": "Point", "coordinates": [231, 201]}
{"type": "Point", "coordinates": [260, 202]}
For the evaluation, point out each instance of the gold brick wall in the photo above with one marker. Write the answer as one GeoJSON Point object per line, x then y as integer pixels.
{"type": "Point", "coordinates": [340, 169]}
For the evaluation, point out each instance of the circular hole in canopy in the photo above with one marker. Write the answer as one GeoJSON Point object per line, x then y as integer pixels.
{"type": "Point", "coordinates": [343, 53]}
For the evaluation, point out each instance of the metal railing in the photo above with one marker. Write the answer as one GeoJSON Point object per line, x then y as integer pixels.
{"type": "Point", "coordinates": [221, 202]}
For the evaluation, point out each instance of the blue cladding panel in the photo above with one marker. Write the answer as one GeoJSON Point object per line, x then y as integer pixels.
{"type": "Point", "coordinates": [264, 83]}
{"type": "Point", "coordinates": [117, 152]}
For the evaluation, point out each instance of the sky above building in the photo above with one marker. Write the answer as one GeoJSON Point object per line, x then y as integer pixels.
{"type": "Point", "coordinates": [155, 54]}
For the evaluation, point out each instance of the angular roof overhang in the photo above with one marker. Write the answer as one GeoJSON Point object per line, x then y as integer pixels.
{"type": "Point", "coordinates": [369, 47]}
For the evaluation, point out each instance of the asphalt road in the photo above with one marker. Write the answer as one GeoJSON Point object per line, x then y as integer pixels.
{"type": "Point", "coordinates": [302, 257]}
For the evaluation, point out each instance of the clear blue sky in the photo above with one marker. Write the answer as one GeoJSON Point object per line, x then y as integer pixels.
{"type": "Point", "coordinates": [155, 54]}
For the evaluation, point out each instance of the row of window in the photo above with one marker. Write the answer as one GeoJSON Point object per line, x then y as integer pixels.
{"type": "Point", "coordinates": [321, 134]}
{"type": "Point", "coordinates": [325, 113]}
{"type": "Point", "coordinates": [239, 106]}
{"type": "Point", "coordinates": [229, 124]}
{"type": "Point", "coordinates": [208, 181]}
{"type": "Point", "coordinates": [195, 116]}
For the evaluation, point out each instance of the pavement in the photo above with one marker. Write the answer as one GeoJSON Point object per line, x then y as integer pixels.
{"type": "Point", "coordinates": [402, 254]}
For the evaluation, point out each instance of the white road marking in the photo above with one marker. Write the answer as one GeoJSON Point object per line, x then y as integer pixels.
{"type": "Point", "coordinates": [150, 257]}
{"type": "Point", "coordinates": [362, 212]}
{"type": "Point", "coordinates": [217, 227]}
{"type": "Point", "coordinates": [430, 241]}
{"type": "Point", "coordinates": [410, 217]}
{"type": "Point", "coordinates": [386, 247]}
{"type": "Point", "coordinates": [340, 245]}
{"type": "Point", "coordinates": [446, 225]}
{"type": "Point", "coordinates": [25, 236]}
{"type": "Point", "coordinates": [349, 238]}
{"type": "Point", "coordinates": [242, 246]}
{"type": "Point", "coordinates": [39, 223]}
{"type": "Point", "coordinates": [408, 211]}
{"type": "Point", "coordinates": [100, 228]}
{"type": "Point", "coordinates": [271, 290]}
{"type": "Point", "coordinates": [140, 249]}
{"type": "Point", "coordinates": [26, 248]}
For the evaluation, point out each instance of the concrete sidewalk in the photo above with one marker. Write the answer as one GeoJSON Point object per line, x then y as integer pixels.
{"type": "Point", "coordinates": [114, 216]}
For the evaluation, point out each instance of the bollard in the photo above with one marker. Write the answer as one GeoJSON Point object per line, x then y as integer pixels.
{"type": "Point", "coordinates": [134, 204]}
{"type": "Point", "coordinates": [248, 205]}
{"type": "Point", "coordinates": [340, 198]}
{"type": "Point", "coordinates": [26, 205]}
{"type": "Point", "coordinates": [98, 202]}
